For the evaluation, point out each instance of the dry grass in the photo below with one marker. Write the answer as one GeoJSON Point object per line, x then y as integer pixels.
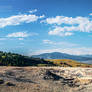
{"type": "Point", "coordinates": [68, 63]}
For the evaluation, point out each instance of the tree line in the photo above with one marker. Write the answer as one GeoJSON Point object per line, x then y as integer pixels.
{"type": "Point", "coordinates": [12, 59]}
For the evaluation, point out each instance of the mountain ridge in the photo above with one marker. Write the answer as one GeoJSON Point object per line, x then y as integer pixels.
{"type": "Point", "coordinates": [59, 55]}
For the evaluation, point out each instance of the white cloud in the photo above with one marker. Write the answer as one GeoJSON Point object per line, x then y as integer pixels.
{"type": "Point", "coordinates": [78, 51]}
{"type": "Point", "coordinates": [90, 14]}
{"type": "Point", "coordinates": [33, 11]}
{"type": "Point", "coordinates": [21, 35]}
{"type": "Point", "coordinates": [42, 16]}
{"type": "Point", "coordinates": [67, 34]}
{"type": "Point", "coordinates": [66, 26]}
{"type": "Point", "coordinates": [48, 42]}
{"type": "Point", "coordinates": [66, 20]}
{"type": "Point", "coordinates": [73, 51]}
{"type": "Point", "coordinates": [18, 19]}
{"type": "Point", "coordinates": [21, 38]}
{"type": "Point", "coordinates": [18, 34]}
{"type": "Point", "coordinates": [65, 31]}
{"type": "Point", "coordinates": [59, 43]}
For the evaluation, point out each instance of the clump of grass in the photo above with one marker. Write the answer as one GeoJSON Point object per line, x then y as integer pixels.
{"type": "Point", "coordinates": [41, 65]}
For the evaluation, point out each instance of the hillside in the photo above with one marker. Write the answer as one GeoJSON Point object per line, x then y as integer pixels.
{"type": "Point", "coordinates": [12, 59]}
{"type": "Point", "coordinates": [68, 63]}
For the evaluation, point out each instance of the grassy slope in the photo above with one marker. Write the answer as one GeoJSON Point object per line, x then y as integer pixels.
{"type": "Point", "coordinates": [68, 63]}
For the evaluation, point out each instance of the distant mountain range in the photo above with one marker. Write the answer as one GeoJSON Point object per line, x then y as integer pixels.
{"type": "Point", "coordinates": [58, 55]}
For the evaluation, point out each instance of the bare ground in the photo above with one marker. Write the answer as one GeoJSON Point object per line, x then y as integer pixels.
{"type": "Point", "coordinates": [45, 79]}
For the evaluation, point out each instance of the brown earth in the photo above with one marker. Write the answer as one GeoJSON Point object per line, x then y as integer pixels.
{"type": "Point", "coordinates": [45, 79]}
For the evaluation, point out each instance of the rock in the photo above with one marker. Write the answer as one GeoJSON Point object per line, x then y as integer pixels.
{"type": "Point", "coordinates": [1, 81]}
{"type": "Point", "coordinates": [50, 75]}
{"type": "Point", "coordinates": [10, 84]}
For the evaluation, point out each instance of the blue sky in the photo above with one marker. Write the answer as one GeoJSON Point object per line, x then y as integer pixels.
{"type": "Point", "coordinates": [38, 26]}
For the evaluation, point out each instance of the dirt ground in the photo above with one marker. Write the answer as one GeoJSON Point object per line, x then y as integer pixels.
{"type": "Point", "coordinates": [45, 79]}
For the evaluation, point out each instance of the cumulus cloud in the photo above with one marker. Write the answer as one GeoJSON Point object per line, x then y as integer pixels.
{"type": "Point", "coordinates": [62, 31]}
{"type": "Point", "coordinates": [66, 20]}
{"type": "Point", "coordinates": [65, 26]}
{"type": "Point", "coordinates": [19, 19]}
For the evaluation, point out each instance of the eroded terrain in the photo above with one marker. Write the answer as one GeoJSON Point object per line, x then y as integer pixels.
{"type": "Point", "coordinates": [45, 79]}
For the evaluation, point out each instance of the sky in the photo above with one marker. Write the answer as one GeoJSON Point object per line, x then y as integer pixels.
{"type": "Point", "coordinates": [31, 27]}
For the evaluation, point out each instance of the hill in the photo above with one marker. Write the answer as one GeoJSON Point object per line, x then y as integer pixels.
{"type": "Point", "coordinates": [58, 55]}
{"type": "Point", "coordinates": [68, 63]}
{"type": "Point", "coordinates": [12, 59]}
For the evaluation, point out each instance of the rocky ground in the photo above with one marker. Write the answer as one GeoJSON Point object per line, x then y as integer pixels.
{"type": "Point", "coordinates": [45, 79]}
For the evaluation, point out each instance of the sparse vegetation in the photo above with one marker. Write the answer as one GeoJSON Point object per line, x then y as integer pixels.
{"type": "Point", "coordinates": [68, 63]}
